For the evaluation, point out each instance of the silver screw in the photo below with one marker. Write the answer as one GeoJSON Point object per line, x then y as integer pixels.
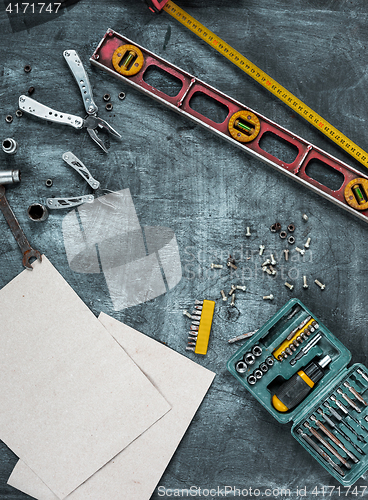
{"type": "Point", "coordinates": [305, 217]}
{"type": "Point", "coordinates": [321, 285]}
{"type": "Point", "coordinates": [241, 287]}
{"type": "Point", "coordinates": [290, 287]}
{"type": "Point", "coordinates": [233, 288]}
{"type": "Point", "coordinates": [230, 264]}
{"type": "Point", "coordinates": [266, 263]}
{"type": "Point", "coordinates": [286, 253]}
{"type": "Point", "coordinates": [261, 248]}
{"type": "Point", "coordinates": [305, 284]}
{"type": "Point", "coordinates": [268, 297]}
{"type": "Point", "coordinates": [267, 270]}
{"type": "Point", "coordinates": [248, 232]}
{"type": "Point", "coordinates": [232, 303]}
{"type": "Point", "coordinates": [224, 298]}
{"type": "Point", "coordinates": [216, 266]}
{"type": "Point", "coordinates": [273, 262]}
{"type": "Point", "coordinates": [307, 244]}
{"type": "Point", "coordinates": [273, 271]}
{"type": "Point", "coordinates": [187, 314]}
{"type": "Point", "coordinates": [300, 250]}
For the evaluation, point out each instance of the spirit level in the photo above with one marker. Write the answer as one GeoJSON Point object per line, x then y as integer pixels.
{"type": "Point", "coordinates": [242, 127]}
{"type": "Point", "coordinates": [261, 77]}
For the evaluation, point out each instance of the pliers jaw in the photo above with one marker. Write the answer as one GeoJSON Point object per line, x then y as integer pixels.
{"type": "Point", "coordinates": [92, 124]}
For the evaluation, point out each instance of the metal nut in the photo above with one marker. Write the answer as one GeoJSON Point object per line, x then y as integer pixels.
{"type": "Point", "coordinates": [8, 118]}
{"type": "Point", "coordinates": [283, 235]}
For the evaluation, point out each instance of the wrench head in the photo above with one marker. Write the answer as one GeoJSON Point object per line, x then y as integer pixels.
{"type": "Point", "coordinates": [28, 255]}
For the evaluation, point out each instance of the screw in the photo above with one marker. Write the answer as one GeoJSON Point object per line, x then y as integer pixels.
{"type": "Point", "coordinates": [321, 285]}
{"type": "Point", "coordinates": [186, 313]}
{"type": "Point", "coordinates": [266, 263]}
{"type": "Point", "coordinates": [233, 288]}
{"type": "Point", "coordinates": [306, 245]}
{"type": "Point", "coordinates": [216, 266]}
{"type": "Point", "coordinates": [290, 287]}
{"type": "Point", "coordinates": [273, 271]}
{"type": "Point", "coordinates": [268, 297]}
{"type": "Point", "coordinates": [232, 303]}
{"type": "Point", "coordinates": [240, 287]}
{"type": "Point", "coordinates": [261, 248]}
{"type": "Point", "coordinates": [305, 285]}
{"type": "Point", "coordinates": [266, 270]}
{"type": "Point", "coordinates": [230, 264]}
{"type": "Point", "coordinates": [301, 251]}
{"type": "Point", "coordinates": [305, 217]}
{"type": "Point", "coordinates": [286, 253]}
{"type": "Point", "coordinates": [273, 262]}
{"type": "Point", "coordinates": [248, 232]}
{"type": "Point", "coordinates": [224, 298]}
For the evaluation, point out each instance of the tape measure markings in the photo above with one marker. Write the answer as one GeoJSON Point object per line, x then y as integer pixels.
{"type": "Point", "coordinates": [269, 83]}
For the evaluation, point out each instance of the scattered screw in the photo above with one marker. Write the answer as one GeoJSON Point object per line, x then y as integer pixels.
{"type": "Point", "coordinates": [224, 298]}
{"type": "Point", "coordinates": [300, 250]}
{"type": "Point", "coordinates": [241, 287]}
{"type": "Point", "coordinates": [286, 253]}
{"type": "Point", "coordinates": [31, 90]}
{"type": "Point", "coordinates": [8, 118]}
{"type": "Point", "coordinates": [307, 244]}
{"type": "Point", "coordinates": [122, 95]}
{"type": "Point", "coordinates": [261, 248]}
{"type": "Point", "coordinates": [186, 313]}
{"type": "Point", "coordinates": [230, 264]}
{"type": "Point", "coordinates": [248, 232]}
{"type": "Point", "coordinates": [109, 106]}
{"type": "Point", "coordinates": [106, 97]}
{"type": "Point", "coordinates": [321, 285]}
{"type": "Point", "coordinates": [273, 271]}
{"type": "Point", "coordinates": [290, 287]}
{"type": "Point", "coordinates": [232, 290]}
{"type": "Point", "coordinates": [291, 240]}
{"type": "Point", "coordinates": [305, 217]}
{"type": "Point", "coordinates": [48, 183]}
{"type": "Point", "coordinates": [266, 262]}
{"type": "Point", "coordinates": [283, 235]}
{"type": "Point", "coordinates": [19, 113]}
{"type": "Point", "coordinates": [268, 297]}
{"type": "Point", "coordinates": [216, 266]}
{"type": "Point", "coordinates": [291, 228]}
{"type": "Point", "coordinates": [273, 262]}
{"type": "Point", "coordinates": [305, 285]}
{"type": "Point", "coordinates": [232, 303]}
{"type": "Point", "coordinates": [267, 270]}
{"type": "Point", "coordinates": [27, 68]}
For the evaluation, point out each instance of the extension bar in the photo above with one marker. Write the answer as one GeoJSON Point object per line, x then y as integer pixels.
{"type": "Point", "coordinates": [242, 126]}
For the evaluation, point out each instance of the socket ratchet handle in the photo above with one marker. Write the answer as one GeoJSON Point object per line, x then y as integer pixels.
{"type": "Point", "coordinates": [35, 108]}
{"type": "Point", "coordinates": [81, 77]}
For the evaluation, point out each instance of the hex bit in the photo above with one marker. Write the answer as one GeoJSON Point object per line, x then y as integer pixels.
{"type": "Point", "coordinates": [341, 420]}
{"type": "Point", "coordinates": [355, 393]}
{"type": "Point", "coordinates": [334, 438]}
{"type": "Point", "coordinates": [340, 431]}
{"type": "Point", "coordinates": [327, 445]}
{"type": "Point", "coordinates": [346, 412]}
{"type": "Point", "coordinates": [348, 400]}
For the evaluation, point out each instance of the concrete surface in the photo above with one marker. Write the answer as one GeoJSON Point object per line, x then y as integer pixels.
{"type": "Point", "coordinates": [208, 192]}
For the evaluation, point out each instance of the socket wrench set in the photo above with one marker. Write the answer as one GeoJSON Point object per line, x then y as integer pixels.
{"type": "Point", "coordinates": [298, 370]}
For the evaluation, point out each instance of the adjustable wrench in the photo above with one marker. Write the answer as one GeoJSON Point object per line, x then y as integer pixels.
{"type": "Point", "coordinates": [27, 251]}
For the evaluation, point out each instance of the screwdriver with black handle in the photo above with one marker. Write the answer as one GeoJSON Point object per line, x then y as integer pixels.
{"type": "Point", "coordinates": [293, 391]}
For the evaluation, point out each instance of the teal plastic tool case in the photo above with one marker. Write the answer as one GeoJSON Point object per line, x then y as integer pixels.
{"type": "Point", "coordinates": [336, 400]}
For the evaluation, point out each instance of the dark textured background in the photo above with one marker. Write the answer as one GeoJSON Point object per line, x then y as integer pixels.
{"type": "Point", "coordinates": [207, 191]}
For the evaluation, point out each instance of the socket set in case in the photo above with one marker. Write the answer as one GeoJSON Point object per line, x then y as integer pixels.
{"type": "Point", "coordinates": [297, 369]}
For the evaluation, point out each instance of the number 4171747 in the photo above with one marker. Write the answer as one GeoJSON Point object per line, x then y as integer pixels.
{"type": "Point", "coordinates": [33, 8]}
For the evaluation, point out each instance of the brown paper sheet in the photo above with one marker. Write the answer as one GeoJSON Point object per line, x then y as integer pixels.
{"type": "Point", "coordinates": [136, 471]}
{"type": "Point", "coordinates": [71, 398]}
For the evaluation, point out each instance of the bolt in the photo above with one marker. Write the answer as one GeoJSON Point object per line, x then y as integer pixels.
{"type": "Point", "coordinates": [267, 270]}
{"type": "Point", "coordinates": [224, 298]}
{"type": "Point", "coordinates": [305, 217]}
{"type": "Point", "coordinates": [233, 288]}
{"type": "Point", "coordinates": [261, 248]}
{"type": "Point", "coordinates": [248, 232]}
{"type": "Point", "coordinates": [305, 285]}
{"type": "Point", "coordinates": [286, 253]}
{"type": "Point", "coordinates": [290, 287]}
{"type": "Point", "coordinates": [321, 285]}
{"type": "Point", "coordinates": [232, 303]}
{"type": "Point", "coordinates": [300, 250]}
{"type": "Point", "coordinates": [268, 297]}
{"type": "Point", "coordinates": [216, 266]}
{"type": "Point", "coordinates": [273, 262]}
{"type": "Point", "coordinates": [241, 287]}
{"type": "Point", "coordinates": [266, 263]}
{"type": "Point", "coordinates": [306, 245]}
{"type": "Point", "coordinates": [230, 264]}
{"type": "Point", "coordinates": [273, 271]}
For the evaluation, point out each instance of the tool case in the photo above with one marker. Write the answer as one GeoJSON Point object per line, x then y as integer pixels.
{"type": "Point", "coordinates": [327, 401]}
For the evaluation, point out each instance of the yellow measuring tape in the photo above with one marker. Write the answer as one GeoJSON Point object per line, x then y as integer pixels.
{"type": "Point", "coordinates": [266, 81]}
